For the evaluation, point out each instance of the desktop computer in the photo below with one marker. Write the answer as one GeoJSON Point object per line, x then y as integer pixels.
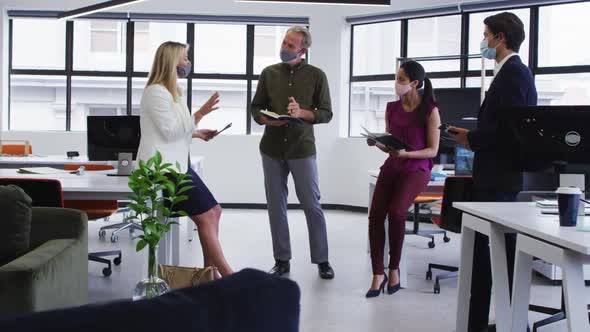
{"type": "Point", "coordinates": [540, 137]}
{"type": "Point", "coordinates": [457, 107]}
{"type": "Point", "coordinates": [112, 138]}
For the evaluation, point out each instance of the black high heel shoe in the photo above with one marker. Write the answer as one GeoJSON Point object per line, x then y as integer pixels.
{"type": "Point", "coordinates": [394, 288]}
{"type": "Point", "coordinates": [376, 292]}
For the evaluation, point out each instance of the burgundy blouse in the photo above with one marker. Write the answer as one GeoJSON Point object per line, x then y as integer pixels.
{"type": "Point", "coordinates": [407, 127]}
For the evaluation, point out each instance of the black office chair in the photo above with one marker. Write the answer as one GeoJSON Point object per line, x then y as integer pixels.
{"type": "Point", "coordinates": [48, 193]}
{"type": "Point", "coordinates": [457, 189]}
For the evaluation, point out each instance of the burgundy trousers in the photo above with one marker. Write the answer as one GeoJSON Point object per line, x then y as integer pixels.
{"type": "Point", "coordinates": [394, 194]}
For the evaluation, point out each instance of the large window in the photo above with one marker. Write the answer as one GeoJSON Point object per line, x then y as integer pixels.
{"type": "Point", "coordinates": [367, 105]}
{"type": "Point", "coordinates": [232, 107]}
{"type": "Point", "coordinates": [39, 48]}
{"type": "Point", "coordinates": [108, 70]}
{"type": "Point", "coordinates": [376, 47]}
{"type": "Point", "coordinates": [99, 45]}
{"type": "Point", "coordinates": [476, 29]}
{"type": "Point", "coordinates": [553, 48]}
{"type": "Point", "coordinates": [220, 48]}
{"type": "Point", "coordinates": [563, 73]}
{"type": "Point", "coordinates": [563, 35]}
{"type": "Point", "coordinates": [97, 96]}
{"type": "Point", "coordinates": [40, 101]}
{"type": "Point", "coordinates": [564, 89]}
{"type": "Point", "coordinates": [148, 36]}
{"type": "Point", "coordinates": [267, 45]}
{"type": "Point", "coordinates": [435, 36]}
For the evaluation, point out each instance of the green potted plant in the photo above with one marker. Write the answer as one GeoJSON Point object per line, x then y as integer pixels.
{"type": "Point", "coordinates": [152, 203]}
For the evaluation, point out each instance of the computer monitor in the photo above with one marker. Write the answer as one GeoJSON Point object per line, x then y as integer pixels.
{"type": "Point", "coordinates": [540, 138]}
{"type": "Point", "coordinates": [463, 161]}
{"type": "Point", "coordinates": [107, 136]}
{"type": "Point", "coordinates": [457, 107]}
{"type": "Point", "coordinates": [537, 137]}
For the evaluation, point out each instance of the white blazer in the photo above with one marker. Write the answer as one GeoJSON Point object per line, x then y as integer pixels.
{"type": "Point", "coordinates": [166, 126]}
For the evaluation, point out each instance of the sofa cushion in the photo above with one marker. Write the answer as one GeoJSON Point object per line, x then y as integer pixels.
{"type": "Point", "coordinates": [15, 222]}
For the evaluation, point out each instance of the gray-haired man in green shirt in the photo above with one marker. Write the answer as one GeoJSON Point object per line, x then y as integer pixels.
{"type": "Point", "coordinates": [294, 88]}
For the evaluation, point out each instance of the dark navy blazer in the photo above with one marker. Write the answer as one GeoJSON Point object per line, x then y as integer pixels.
{"type": "Point", "coordinates": [513, 86]}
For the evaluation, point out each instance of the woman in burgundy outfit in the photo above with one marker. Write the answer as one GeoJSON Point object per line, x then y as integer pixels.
{"type": "Point", "coordinates": [415, 120]}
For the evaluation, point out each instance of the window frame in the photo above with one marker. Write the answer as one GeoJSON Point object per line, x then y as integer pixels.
{"type": "Point", "coordinates": [464, 73]}
{"type": "Point", "coordinates": [129, 73]}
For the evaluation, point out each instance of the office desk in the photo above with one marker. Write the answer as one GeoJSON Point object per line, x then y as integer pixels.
{"type": "Point", "coordinates": [46, 161]}
{"type": "Point", "coordinates": [58, 161]}
{"type": "Point", "coordinates": [496, 219]}
{"type": "Point", "coordinates": [433, 187]}
{"type": "Point", "coordinates": [96, 185]}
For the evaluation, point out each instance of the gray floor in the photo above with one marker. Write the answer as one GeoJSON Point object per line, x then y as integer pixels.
{"type": "Point", "coordinates": [337, 305]}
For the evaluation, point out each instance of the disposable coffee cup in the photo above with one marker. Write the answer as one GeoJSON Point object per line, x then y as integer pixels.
{"type": "Point", "coordinates": [568, 202]}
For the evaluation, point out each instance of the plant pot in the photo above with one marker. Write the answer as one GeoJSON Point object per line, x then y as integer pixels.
{"type": "Point", "coordinates": [152, 286]}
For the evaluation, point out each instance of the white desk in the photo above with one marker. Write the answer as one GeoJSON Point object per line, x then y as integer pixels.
{"type": "Point", "coordinates": [433, 187]}
{"type": "Point", "coordinates": [496, 219]}
{"type": "Point", "coordinates": [98, 186]}
{"type": "Point", "coordinates": [46, 161]}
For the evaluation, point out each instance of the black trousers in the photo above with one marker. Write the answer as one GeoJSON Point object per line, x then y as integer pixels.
{"type": "Point", "coordinates": [481, 281]}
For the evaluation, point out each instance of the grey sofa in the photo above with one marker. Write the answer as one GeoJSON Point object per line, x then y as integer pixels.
{"type": "Point", "coordinates": [53, 271]}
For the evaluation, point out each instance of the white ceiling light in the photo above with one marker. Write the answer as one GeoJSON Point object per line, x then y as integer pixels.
{"type": "Point", "coordinates": [96, 8]}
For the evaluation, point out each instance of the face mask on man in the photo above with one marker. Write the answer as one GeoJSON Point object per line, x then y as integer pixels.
{"type": "Point", "coordinates": [183, 70]}
{"type": "Point", "coordinates": [287, 56]}
{"type": "Point", "coordinates": [487, 51]}
{"type": "Point", "coordinates": [402, 89]}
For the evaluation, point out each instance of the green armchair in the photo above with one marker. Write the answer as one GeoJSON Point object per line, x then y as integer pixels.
{"type": "Point", "coordinates": [53, 273]}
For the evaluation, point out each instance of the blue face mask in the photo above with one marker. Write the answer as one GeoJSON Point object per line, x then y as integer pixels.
{"type": "Point", "coordinates": [487, 51]}
{"type": "Point", "coordinates": [183, 71]}
{"type": "Point", "coordinates": [287, 56]}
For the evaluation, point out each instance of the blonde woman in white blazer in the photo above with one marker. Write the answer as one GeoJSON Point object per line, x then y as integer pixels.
{"type": "Point", "coordinates": [167, 126]}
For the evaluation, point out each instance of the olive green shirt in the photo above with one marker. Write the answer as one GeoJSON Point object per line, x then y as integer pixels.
{"type": "Point", "coordinates": [309, 86]}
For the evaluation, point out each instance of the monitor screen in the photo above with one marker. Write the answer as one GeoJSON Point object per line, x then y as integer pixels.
{"type": "Point", "coordinates": [537, 136]}
{"type": "Point", "coordinates": [457, 107]}
{"type": "Point", "coordinates": [109, 135]}
{"type": "Point", "coordinates": [463, 161]}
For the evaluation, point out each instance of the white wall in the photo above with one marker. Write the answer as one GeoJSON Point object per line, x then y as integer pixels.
{"type": "Point", "coordinates": [232, 165]}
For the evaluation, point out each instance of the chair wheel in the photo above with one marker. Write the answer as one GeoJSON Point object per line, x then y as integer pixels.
{"type": "Point", "coordinates": [428, 275]}
{"type": "Point", "coordinates": [107, 271]}
{"type": "Point", "coordinates": [431, 244]}
{"type": "Point", "coordinates": [117, 260]}
{"type": "Point", "coordinates": [114, 238]}
{"type": "Point", "coordinates": [436, 289]}
{"type": "Point", "coordinates": [446, 239]}
{"type": "Point", "coordinates": [102, 234]}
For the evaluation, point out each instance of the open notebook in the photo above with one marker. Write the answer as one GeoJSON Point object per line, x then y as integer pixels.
{"type": "Point", "coordinates": [387, 139]}
{"type": "Point", "coordinates": [275, 116]}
